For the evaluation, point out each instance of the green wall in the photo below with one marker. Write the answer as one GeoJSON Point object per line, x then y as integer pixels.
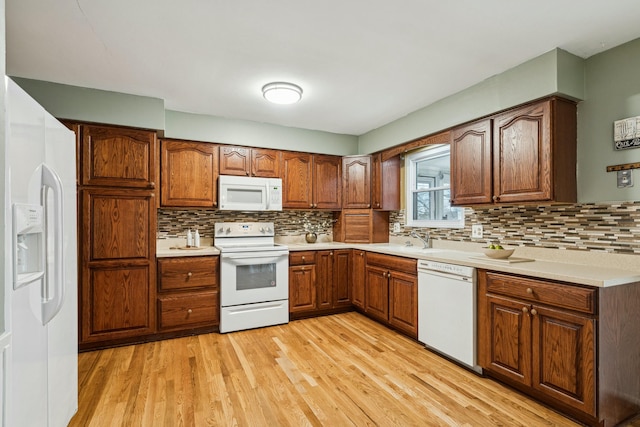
{"type": "Point", "coordinates": [555, 72]}
{"type": "Point", "coordinates": [244, 132]}
{"type": "Point", "coordinates": [612, 93]}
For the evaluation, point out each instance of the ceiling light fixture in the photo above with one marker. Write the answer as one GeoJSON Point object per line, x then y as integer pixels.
{"type": "Point", "coordinates": [282, 93]}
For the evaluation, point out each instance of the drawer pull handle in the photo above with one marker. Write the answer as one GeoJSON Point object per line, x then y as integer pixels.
{"type": "Point", "coordinates": [189, 311]}
{"type": "Point", "coordinates": [534, 312]}
{"type": "Point", "coordinates": [529, 291]}
{"type": "Point", "coordinates": [525, 310]}
{"type": "Point", "coordinates": [189, 274]}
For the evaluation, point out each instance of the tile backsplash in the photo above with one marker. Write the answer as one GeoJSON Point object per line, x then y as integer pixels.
{"type": "Point", "coordinates": [607, 227]}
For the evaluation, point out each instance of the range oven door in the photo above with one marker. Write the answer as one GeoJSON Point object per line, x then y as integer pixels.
{"type": "Point", "coordinates": [252, 277]}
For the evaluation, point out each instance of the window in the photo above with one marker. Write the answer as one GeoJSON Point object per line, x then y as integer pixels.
{"type": "Point", "coordinates": [429, 189]}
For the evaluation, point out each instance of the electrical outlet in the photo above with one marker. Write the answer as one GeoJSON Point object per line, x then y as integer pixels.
{"type": "Point", "coordinates": [396, 227]}
{"type": "Point", "coordinates": [476, 231]}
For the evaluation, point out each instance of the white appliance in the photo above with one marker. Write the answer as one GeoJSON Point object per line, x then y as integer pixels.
{"type": "Point", "coordinates": [40, 266]}
{"type": "Point", "coordinates": [245, 193]}
{"type": "Point", "coordinates": [447, 297]}
{"type": "Point", "coordinates": [254, 276]}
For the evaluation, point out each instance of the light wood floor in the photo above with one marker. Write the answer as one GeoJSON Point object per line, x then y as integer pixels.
{"type": "Point", "coordinates": [341, 370]}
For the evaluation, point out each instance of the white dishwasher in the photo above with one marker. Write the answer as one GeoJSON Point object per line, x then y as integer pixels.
{"type": "Point", "coordinates": [447, 296]}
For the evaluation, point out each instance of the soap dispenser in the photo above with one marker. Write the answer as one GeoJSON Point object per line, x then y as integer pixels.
{"type": "Point", "coordinates": [196, 239]}
{"type": "Point", "coordinates": [189, 239]}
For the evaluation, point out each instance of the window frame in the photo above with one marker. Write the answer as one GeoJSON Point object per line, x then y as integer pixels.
{"type": "Point", "coordinates": [410, 161]}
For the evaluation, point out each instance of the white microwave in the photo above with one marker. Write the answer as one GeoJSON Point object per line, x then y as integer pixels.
{"type": "Point", "coordinates": [244, 193]}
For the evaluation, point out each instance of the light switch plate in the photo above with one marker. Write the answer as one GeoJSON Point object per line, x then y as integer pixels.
{"type": "Point", "coordinates": [625, 178]}
{"type": "Point", "coordinates": [476, 231]}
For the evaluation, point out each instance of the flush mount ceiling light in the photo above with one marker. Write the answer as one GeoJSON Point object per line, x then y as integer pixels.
{"type": "Point", "coordinates": [282, 93]}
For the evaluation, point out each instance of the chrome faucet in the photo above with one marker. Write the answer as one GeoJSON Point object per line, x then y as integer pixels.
{"type": "Point", "coordinates": [426, 240]}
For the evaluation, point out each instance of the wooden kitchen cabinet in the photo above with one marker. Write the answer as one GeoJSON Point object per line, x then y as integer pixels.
{"type": "Point", "coordinates": [385, 192]}
{"type": "Point", "coordinates": [533, 156]}
{"type": "Point", "coordinates": [358, 279]}
{"type": "Point", "coordinates": [356, 179]}
{"type": "Point", "coordinates": [188, 293]}
{"type": "Point", "coordinates": [311, 181]}
{"type": "Point", "coordinates": [391, 291]}
{"type": "Point", "coordinates": [117, 175]}
{"type": "Point", "coordinates": [188, 174]}
{"type": "Point", "coordinates": [117, 263]}
{"type": "Point", "coordinates": [471, 171]}
{"type": "Point", "coordinates": [319, 282]}
{"type": "Point", "coordinates": [541, 336]}
{"type": "Point", "coordinates": [246, 161]}
{"type": "Point", "coordinates": [117, 157]}
{"type": "Point", "coordinates": [361, 226]}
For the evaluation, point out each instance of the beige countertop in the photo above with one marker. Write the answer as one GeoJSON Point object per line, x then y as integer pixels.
{"type": "Point", "coordinates": [581, 267]}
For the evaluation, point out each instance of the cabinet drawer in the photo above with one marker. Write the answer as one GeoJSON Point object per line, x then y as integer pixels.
{"type": "Point", "coordinates": [302, 258]}
{"type": "Point", "coordinates": [187, 272]}
{"type": "Point", "coordinates": [191, 309]}
{"type": "Point", "coordinates": [557, 294]}
{"type": "Point", "coordinates": [393, 262]}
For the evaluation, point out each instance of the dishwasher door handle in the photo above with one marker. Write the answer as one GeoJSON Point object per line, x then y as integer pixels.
{"type": "Point", "coordinates": [447, 275]}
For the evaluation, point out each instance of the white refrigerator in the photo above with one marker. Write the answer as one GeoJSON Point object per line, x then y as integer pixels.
{"type": "Point", "coordinates": [40, 266]}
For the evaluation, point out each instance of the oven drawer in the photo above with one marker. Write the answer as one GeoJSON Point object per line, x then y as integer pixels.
{"type": "Point", "coordinates": [193, 309]}
{"type": "Point", "coordinates": [187, 272]}
{"type": "Point", "coordinates": [302, 257]}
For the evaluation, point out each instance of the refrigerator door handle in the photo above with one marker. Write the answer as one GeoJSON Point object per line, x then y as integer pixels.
{"type": "Point", "coordinates": [54, 280]}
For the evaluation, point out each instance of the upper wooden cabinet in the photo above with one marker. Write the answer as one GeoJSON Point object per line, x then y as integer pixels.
{"type": "Point", "coordinates": [532, 156]}
{"type": "Point", "coordinates": [247, 161]}
{"type": "Point", "coordinates": [385, 193]}
{"type": "Point", "coordinates": [311, 181]}
{"type": "Point", "coordinates": [471, 171]}
{"type": "Point", "coordinates": [356, 179]}
{"type": "Point", "coordinates": [188, 174]}
{"type": "Point", "coordinates": [117, 157]}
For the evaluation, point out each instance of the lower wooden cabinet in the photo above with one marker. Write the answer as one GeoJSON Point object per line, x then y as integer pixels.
{"type": "Point", "coordinates": [571, 346]}
{"type": "Point", "coordinates": [391, 291]}
{"type": "Point", "coordinates": [319, 282]}
{"type": "Point", "coordinates": [188, 293]}
{"type": "Point", "coordinates": [358, 279]}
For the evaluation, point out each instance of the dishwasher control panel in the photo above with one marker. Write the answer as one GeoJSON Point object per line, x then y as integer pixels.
{"type": "Point", "coordinates": [443, 267]}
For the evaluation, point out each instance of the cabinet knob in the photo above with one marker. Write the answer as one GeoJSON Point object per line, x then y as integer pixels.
{"type": "Point", "coordinates": [331, 253]}
{"type": "Point", "coordinates": [189, 311]}
{"type": "Point", "coordinates": [189, 274]}
{"type": "Point", "coordinates": [534, 312]}
{"type": "Point", "coordinates": [361, 253]}
{"type": "Point", "coordinates": [303, 258]}
{"type": "Point", "coordinates": [368, 205]}
{"type": "Point", "coordinates": [529, 291]}
{"type": "Point", "coordinates": [525, 310]}
{"type": "Point", "coordinates": [311, 205]}
{"type": "Point", "coordinates": [247, 173]}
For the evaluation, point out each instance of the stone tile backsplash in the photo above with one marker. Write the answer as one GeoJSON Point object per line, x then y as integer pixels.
{"type": "Point", "coordinates": [607, 227]}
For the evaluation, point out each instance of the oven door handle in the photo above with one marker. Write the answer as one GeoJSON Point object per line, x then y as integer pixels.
{"type": "Point", "coordinates": [267, 258]}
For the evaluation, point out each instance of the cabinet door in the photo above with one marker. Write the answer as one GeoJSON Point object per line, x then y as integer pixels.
{"type": "Point", "coordinates": [507, 345]}
{"type": "Point", "coordinates": [188, 174]}
{"type": "Point", "coordinates": [385, 192]}
{"type": "Point", "coordinates": [522, 167]}
{"type": "Point", "coordinates": [302, 288]}
{"type": "Point", "coordinates": [471, 164]}
{"type": "Point", "coordinates": [377, 292]}
{"type": "Point", "coordinates": [235, 161]}
{"type": "Point", "coordinates": [297, 181]}
{"type": "Point", "coordinates": [118, 157]}
{"type": "Point", "coordinates": [324, 279]}
{"type": "Point", "coordinates": [327, 182]}
{"type": "Point", "coordinates": [564, 349]}
{"type": "Point", "coordinates": [188, 310]}
{"type": "Point", "coordinates": [117, 260]}
{"type": "Point", "coordinates": [356, 178]}
{"type": "Point", "coordinates": [265, 163]}
{"type": "Point", "coordinates": [342, 274]}
{"type": "Point", "coordinates": [358, 279]}
{"type": "Point", "coordinates": [403, 302]}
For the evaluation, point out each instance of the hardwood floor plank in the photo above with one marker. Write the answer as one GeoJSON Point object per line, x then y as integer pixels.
{"type": "Point", "coordinates": [340, 370]}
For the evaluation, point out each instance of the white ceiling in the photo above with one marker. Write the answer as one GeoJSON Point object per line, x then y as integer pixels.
{"type": "Point", "coordinates": [361, 63]}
